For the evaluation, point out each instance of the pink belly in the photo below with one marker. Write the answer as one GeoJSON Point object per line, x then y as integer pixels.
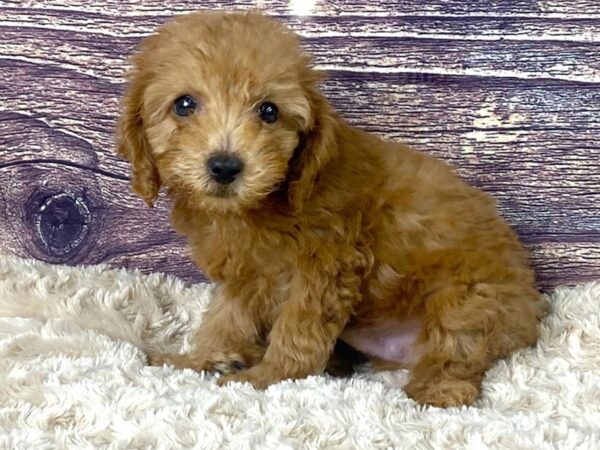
{"type": "Point", "coordinates": [393, 341]}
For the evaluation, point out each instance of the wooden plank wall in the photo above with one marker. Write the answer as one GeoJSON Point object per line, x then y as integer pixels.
{"type": "Point", "coordinates": [508, 91]}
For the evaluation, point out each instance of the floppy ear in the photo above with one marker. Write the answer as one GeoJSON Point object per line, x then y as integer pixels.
{"type": "Point", "coordinates": [316, 148]}
{"type": "Point", "coordinates": [133, 144]}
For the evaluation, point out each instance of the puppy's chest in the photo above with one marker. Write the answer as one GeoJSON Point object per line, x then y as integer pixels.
{"type": "Point", "coordinates": [244, 253]}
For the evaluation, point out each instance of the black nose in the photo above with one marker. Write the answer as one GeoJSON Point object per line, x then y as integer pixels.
{"type": "Point", "coordinates": [224, 168]}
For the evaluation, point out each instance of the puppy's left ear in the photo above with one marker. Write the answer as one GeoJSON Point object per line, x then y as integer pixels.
{"type": "Point", "coordinates": [133, 144]}
{"type": "Point", "coordinates": [317, 147]}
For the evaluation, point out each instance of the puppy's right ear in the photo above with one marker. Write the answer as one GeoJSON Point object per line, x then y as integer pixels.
{"type": "Point", "coordinates": [133, 145]}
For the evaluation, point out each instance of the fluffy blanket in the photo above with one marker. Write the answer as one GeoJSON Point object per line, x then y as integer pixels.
{"type": "Point", "coordinates": [73, 375]}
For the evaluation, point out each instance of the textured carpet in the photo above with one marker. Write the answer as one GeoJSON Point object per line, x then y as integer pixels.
{"type": "Point", "coordinates": [73, 375]}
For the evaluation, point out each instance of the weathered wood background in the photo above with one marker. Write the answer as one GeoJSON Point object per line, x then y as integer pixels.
{"type": "Point", "coordinates": [508, 91]}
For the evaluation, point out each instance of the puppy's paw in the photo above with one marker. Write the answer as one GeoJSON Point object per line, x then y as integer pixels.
{"type": "Point", "coordinates": [223, 363]}
{"type": "Point", "coordinates": [261, 377]}
{"type": "Point", "coordinates": [229, 364]}
{"type": "Point", "coordinates": [444, 393]}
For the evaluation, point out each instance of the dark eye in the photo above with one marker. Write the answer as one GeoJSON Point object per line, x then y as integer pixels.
{"type": "Point", "coordinates": [268, 112]}
{"type": "Point", "coordinates": [185, 105]}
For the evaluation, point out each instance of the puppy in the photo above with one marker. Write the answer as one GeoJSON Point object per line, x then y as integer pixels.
{"type": "Point", "coordinates": [316, 233]}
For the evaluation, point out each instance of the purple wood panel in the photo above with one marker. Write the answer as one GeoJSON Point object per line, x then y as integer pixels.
{"type": "Point", "coordinates": [507, 91]}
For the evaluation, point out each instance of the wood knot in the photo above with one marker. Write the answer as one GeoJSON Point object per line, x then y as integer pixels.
{"type": "Point", "coordinates": [61, 222]}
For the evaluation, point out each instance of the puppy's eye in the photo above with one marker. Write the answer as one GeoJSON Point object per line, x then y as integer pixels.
{"type": "Point", "coordinates": [185, 105]}
{"type": "Point", "coordinates": [268, 112]}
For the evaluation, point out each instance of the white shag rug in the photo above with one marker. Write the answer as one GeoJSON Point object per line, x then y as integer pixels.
{"type": "Point", "coordinates": [73, 375]}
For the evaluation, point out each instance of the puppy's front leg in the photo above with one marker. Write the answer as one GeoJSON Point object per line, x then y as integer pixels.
{"type": "Point", "coordinates": [226, 341]}
{"type": "Point", "coordinates": [304, 334]}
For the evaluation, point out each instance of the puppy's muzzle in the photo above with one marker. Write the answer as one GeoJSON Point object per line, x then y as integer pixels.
{"type": "Point", "coordinates": [224, 168]}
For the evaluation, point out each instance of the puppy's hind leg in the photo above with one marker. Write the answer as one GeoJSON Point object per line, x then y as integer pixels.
{"type": "Point", "coordinates": [466, 330]}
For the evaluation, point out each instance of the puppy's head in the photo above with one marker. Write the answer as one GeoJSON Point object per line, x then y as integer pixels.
{"type": "Point", "coordinates": [222, 108]}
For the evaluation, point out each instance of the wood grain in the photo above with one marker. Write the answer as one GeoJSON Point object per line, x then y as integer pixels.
{"type": "Point", "coordinates": [498, 8]}
{"type": "Point", "coordinates": [506, 91]}
{"type": "Point", "coordinates": [102, 55]}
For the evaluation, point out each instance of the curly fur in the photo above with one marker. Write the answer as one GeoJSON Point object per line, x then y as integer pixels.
{"type": "Point", "coordinates": [329, 230]}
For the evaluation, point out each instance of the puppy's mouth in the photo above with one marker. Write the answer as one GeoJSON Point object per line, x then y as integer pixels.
{"type": "Point", "coordinates": [220, 191]}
